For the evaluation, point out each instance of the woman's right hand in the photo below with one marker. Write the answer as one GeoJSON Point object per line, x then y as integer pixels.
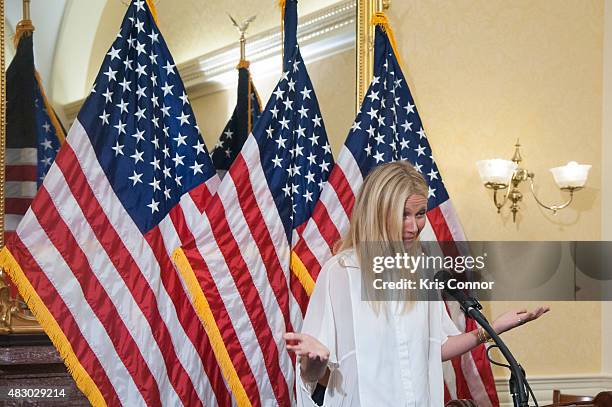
{"type": "Point", "coordinates": [308, 346]}
{"type": "Point", "coordinates": [313, 355]}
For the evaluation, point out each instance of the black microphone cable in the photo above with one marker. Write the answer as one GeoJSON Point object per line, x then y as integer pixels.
{"type": "Point", "coordinates": [490, 359]}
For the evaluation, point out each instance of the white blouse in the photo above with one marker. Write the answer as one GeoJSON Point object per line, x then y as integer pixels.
{"type": "Point", "coordinates": [389, 359]}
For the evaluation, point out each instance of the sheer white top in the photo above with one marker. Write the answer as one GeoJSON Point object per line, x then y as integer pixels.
{"type": "Point", "coordinates": [384, 359]}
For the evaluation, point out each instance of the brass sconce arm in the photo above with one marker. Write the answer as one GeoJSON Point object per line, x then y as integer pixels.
{"type": "Point", "coordinates": [497, 204]}
{"type": "Point", "coordinates": [553, 208]}
{"type": "Point", "coordinates": [496, 187]}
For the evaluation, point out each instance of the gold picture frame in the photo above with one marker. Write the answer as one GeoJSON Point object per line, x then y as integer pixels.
{"type": "Point", "coordinates": [365, 44]}
{"type": "Point", "coordinates": [2, 117]}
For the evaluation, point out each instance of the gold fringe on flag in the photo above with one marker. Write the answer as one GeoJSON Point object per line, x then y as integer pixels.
{"type": "Point", "coordinates": [153, 11]}
{"type": "Point", "coordinates": [298, 268]}
{"type": "Point", "coordinates": [207, 318]}
{"type": "Point", "coordinates": [249, 107]}
{"type": "Point", "coordinates": [83, 381]}
{"type": "Point", "coordinates": [381, 20]}
{"type": "Point", "coordinates": [281, 4]}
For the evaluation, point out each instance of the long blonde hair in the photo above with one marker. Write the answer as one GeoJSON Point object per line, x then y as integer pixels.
{"type": "Point", "coordinates": [376, 227]}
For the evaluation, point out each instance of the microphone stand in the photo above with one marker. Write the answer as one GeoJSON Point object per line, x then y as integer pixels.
{"type": "Point", "coordinates": [471, 307]}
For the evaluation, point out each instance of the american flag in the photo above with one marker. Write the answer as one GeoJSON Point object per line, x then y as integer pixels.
{"type": "Point", "coordinates": [92, 256]}
{"type": "Point", "coordinates": [388, 128]}
{"type": "Point", "coordinates": [238, 269]}
{"type": "Point", "coordinates": [239, 126]}
{"type": "Point", "coordinates": [33, 134]}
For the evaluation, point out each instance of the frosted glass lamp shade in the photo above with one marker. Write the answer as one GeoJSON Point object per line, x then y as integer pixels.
{"type": "Point", "coordinates": [496, 171]}
{"type": "Point", "coordinates": [571, 175]}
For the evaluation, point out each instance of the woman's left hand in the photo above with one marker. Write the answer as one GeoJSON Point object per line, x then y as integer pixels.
{"type": "Point", "coordinates": [512, 319]}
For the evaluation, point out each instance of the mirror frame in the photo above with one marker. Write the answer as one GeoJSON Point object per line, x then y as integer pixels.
{"type": "Point", "coordinates": [2, 120]}
{"type": "Point", "coordinates": [364, 43]}
{"type": "Point", "coordinates": [5, 291]}
{"type": "Point", "coordinates": [364, 47]}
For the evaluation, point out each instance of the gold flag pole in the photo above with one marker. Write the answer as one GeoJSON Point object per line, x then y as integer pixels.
{"type": "Point", "coordinates": [25, 26]}
{"type": "Point", "coordinates": [26, 9]}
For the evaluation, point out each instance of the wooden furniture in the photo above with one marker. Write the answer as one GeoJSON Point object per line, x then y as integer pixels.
{"type": "Point", "coordinates": [28, 363]}
{"type": "Point", "coordinates": [602, 399]}
{"type": "Point", "coordinates": [559, 397]}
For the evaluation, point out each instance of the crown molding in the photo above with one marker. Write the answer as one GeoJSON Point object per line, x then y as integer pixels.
{"type": "Point", "coordinates": [321, 34]}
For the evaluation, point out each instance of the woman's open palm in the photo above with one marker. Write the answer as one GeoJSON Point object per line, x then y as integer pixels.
{"type": "Point", "coordinates": [512, 319]}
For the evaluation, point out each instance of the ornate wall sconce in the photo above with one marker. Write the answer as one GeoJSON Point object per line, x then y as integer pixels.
{"type": "Point", "coordinates": [498, 174]}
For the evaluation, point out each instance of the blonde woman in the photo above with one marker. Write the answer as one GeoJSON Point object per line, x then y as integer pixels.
{"type": "Point", "coordinates": [369, 352]}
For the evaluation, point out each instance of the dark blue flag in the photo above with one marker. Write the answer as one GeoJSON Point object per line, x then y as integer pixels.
{"type": "Point", "coordinates": [237, 129]}
{"type": "Point", "coordinates": [33, 134]}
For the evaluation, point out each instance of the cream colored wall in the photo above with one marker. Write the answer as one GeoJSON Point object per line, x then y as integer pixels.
{"type": "Point", "coordinates": [606, 212]}
{"type": "Point", "coordinates": [486, 72]}
{"type": "Point", "coordinates": [337, 102]}
{"type": "Point", "coordinates": [76, 38]}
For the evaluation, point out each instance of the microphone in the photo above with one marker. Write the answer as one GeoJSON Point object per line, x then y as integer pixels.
{"type": "Point", "coordinates": [471, 307]}
{"type": "Point", "coordinates": [467, 303]}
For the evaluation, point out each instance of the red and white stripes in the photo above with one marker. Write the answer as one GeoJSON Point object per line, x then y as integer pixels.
{"type": "Point", "coordinates": [20, 185]}
{"type": "Point", "coordinates": [242, 267]}
{"type": "Point", "coordinates": [114, 292]}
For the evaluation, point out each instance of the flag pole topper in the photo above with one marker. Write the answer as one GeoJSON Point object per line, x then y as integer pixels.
{"type": "Point", "coordinates": [25, 26]}
{"type": "Point", "coordinates": [242, 29]}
